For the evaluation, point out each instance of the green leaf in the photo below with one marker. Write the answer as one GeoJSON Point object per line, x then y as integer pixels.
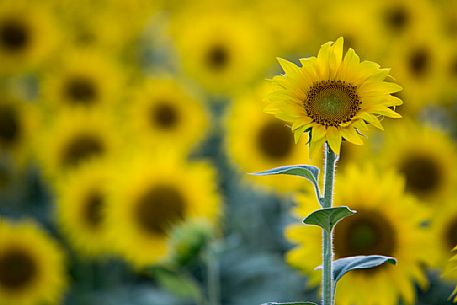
{"type": "Point", "coordinates": [344, 265]}
{"type": "Point", "coordinates": [290, 303]}
{"type": "Point", "coordinates": [177, 282]}
{"type": "Point", "coordinates": [327, 218]}
{"type": "Point", "coordinates": [311, 173]}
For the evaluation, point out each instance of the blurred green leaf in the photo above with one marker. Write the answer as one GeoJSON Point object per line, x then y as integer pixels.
{"type": "Point", "coordinates": [327, 218]}
{"type": "Point", "coordinates": [344, 265]}
{"type": "Point", "coordinates": [311, 173]}
{"type": "Point", "coordinates": [176, 282]}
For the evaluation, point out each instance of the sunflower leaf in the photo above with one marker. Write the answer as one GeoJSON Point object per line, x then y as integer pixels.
{"type": "Point", "coordinates": [176, 282]}
{"type": "Point", "coordinates": [344, 265]}
{"type": "Point", "coordinates": [290, 303]}
{"type": "Point", "coordinates": [327, 218]}
{"type": "Point", "coordinates": [311, 173]}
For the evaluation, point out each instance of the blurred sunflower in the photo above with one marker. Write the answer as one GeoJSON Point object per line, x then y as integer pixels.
{"type": "Point", "coordinates": [148, 199]}
{"type": "Point", "coordinates": [270, 14]}
{"type": "Point", "coordinates": [349, 19]}
{"type": "Point", "coordinates": [267, 143]}
{"type": "Point", "coordinates": [332, 98]}
{"type": "Point", "coordinates": [18, 120]}
{"type": "Point", "coordinates": [419, 65]}
{"type": "Point", "coordinates": [83, 79]}
{"type": "Point", "coordinates": [388, 222]}
{"type": "Point", "coordinates": [222, 51]}
{"type": "Point", "coordinates": [397, 19]}
{"type": "Point", "coordinates": [80, 207]}
{"type": "Point", "coordinates": [163, 113]}
{"type": "Point", "coordinates": [424, 156]}
{"type": "Point", "coordinates": [444, 227]}
{"type": "Point", "coordinates": [90, 24]}
{"type": "Point", "coordinates": [27, 35]}
{"type": "Point", "coordinates": [31, 265]}
{"type": "Point", "coordinates": [73, 138]}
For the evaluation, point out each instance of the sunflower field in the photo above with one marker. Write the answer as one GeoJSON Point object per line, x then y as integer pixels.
{"type": "Point", "coordinates": [140, 142]}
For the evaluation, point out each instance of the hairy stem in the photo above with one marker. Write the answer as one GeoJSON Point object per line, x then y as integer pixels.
{"type": "Point", "coordinates": [327, 252]}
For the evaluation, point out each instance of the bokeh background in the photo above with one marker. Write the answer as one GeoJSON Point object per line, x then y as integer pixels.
{"type": "Point", "coordinates": [127, 129]}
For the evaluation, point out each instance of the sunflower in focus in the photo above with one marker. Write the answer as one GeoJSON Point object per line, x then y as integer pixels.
{"type": "Point", "coordinates": [80, 207]}
{"type": "Point", "coordinates": [83, 79]}
{"type": "Point", "coordinates": [31, 265]}
{"type": "Point", "coordinates": [74, 138]}
{"type": "Point", "coordinates": [222, 51]}
{"type": "Point", "coordinates": [163, 113]}
{"type": "Point", "coordinates": [332, 98]}
{"type": "Point", "coordinates": [267, 143]}
{"type": "Point", "coordinates": [147, 200]}
{"type": "Point", "coordinates": [27, 35]}
{"type": "Point", "coordinates": [423, 154]}
{"type": "Point", "coordinates": [388, 222]}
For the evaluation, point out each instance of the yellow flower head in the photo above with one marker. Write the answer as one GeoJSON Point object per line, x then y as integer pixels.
{"type": "Point", "coordinates": [331, 97]}
{"type": "Point", "coordinates": [32, 267]}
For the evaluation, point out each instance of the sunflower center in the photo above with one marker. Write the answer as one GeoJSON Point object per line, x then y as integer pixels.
{"type": "Point", "coordinates": [331, 103]}
{"type": "Point", "coordinates": [159, 209]}
{"type": "Point", "coordinates": [419, 62]}
{"type": "Point", "coordinates": [17, 269]}
{"type": "Point", "coordinates": [81, 90]}
{"type": "Point", "coordinates": [365, 233]}
{"type": "Point", "coordinates": [422, 175]}
{"type": "Point", "coordinates": [9, 125]}
{"type": "Point", "coordinates": [275, 140]}
{"type": "Point", "coordinates": [217, 57]}
{"type": "Point", "coordinates": [164, 116]}
{"type": "Point", "coordinates": [81, 147]}
{"type": "Point", "coordinates": [397, 18]}
{"type": "Point", "coordinates": [451, 233]}
{"type": "Point", "coordinates": [93, 209]}
{"type": "Point", "coordinates": [14, 36]}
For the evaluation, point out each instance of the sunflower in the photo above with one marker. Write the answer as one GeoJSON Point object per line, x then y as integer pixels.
{"type": "Point", "coordinates": [444, 227]}
{"type": "Point", "coordinates": [419, 64]}
{"type": "Point", "coordinates": [266, 144]}
{"type": "Point", "coordinates": [397, 19]}
{"type": "Point", "coordinates": [423, 154]}
{"type": "Point", "coordinates": [73, 138]}
{"type": "Point", "coordinates": [80, 204]}
{"type": "Point", "coordinates": [388, 222]}
{"type": "Point", "coordinates": [31, 265]}
{"type": "Point", "coordinates": [27, 35]}
{"type": "Point", "coordinates": [18, 120]}
{"type": "Point", "coordinates": [163, 113]}
{"type": "Point", "coordinates": [350, 20]}
{"type": "Point", "coordinates": [83, 79]}
{"type": "Point", "coordinates": [148, 199]}
{"type": "Point", "coordinates": [270, 14]}
{"type": "Point", "coordinates": [332, 98]}
{"type": "Point", "coordinates": [222, 51]}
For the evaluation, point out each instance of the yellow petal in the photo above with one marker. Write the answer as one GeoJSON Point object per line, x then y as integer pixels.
{"type": "Point", "coordinates": [314, 147]}
{"type": "Point", "coordinates": [371, 119]}
{"type": "Point", "coordinates": [335, 57]}
{"type": "Point", "coordinates": [333, 139]}
{"type": "Point", "coordinates": [351, 60]}
{"type": "Point", "coordinates": [318, 132]}
{"type": "Point", "coordinates": [287, 66]}
{"type": "Point", "coordinates": [380, 109]}
{"type": "Point", "coordinates": [351, 135]}
{"type": "Point", "coordinates": [322, 61]}
{"type": "Point", "coordinates": [378, 88]}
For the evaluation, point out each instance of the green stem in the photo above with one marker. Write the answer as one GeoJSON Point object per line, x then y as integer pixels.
{"type": "Point", "coordinates": [213, 275]}
{"type": "Point", "coordinates": [327, 253]}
